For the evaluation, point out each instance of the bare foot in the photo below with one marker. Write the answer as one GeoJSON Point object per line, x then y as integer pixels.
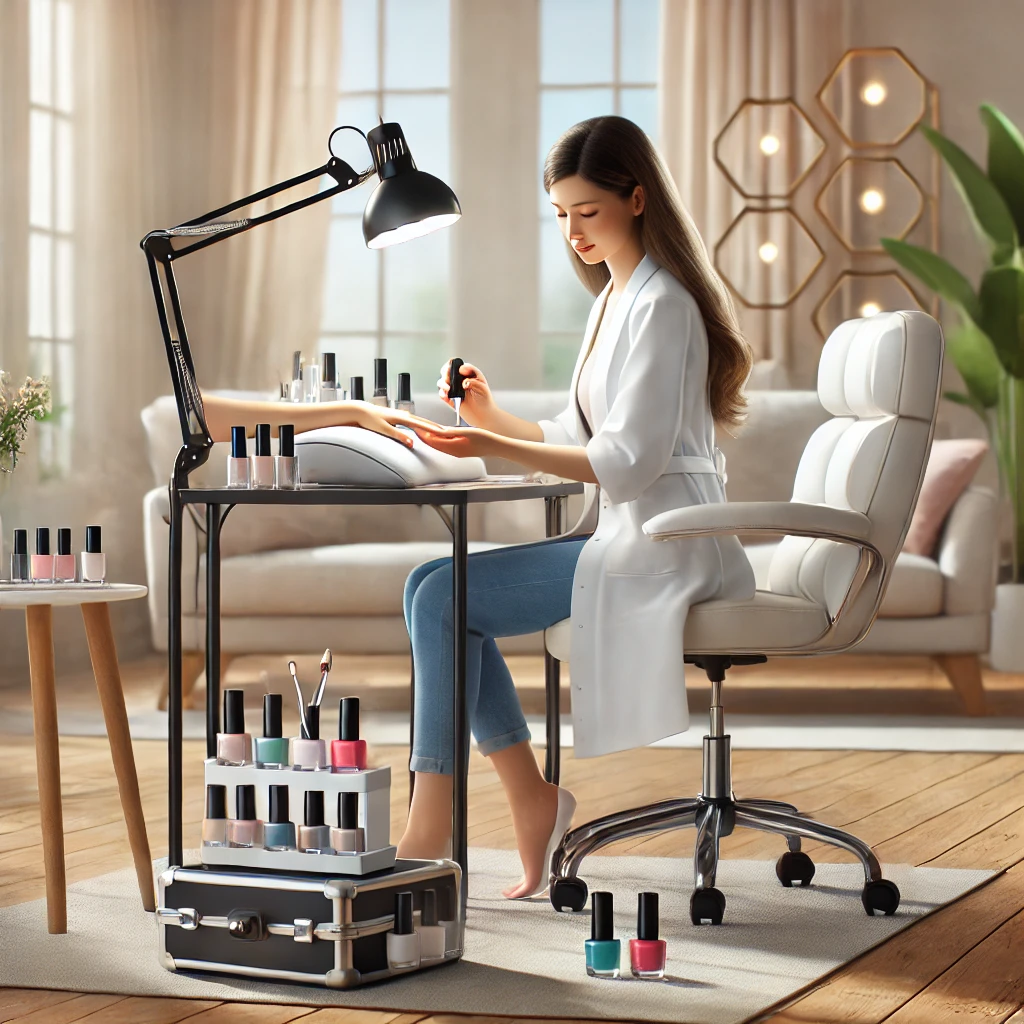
{"type": "Point", "coordinates": [417, 846]}
{"type": "Point", "coordinates": [533, 823]}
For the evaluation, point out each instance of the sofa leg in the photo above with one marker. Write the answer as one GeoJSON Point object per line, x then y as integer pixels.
{"type": "Point", "coordinates": [964, 674]}
{"type": "Point", "coordinates": [193, 663]}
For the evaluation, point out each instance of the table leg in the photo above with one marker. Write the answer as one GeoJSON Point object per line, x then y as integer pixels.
{"type": "Point", "coordinates": [212, 628]}
{"type": "Point", "coordinates": [39, 626]}
{"type": "Point", "coordinates": [174, 737]}
{"type": "Point", "coordinates": [108, 682]}
{"type": "Point", "coordinates": [460, 787]}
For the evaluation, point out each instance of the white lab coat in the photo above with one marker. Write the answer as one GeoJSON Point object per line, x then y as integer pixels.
{"type": "Point", "coordinates": [653, 449]}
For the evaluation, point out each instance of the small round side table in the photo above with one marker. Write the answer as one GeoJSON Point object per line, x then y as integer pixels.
{"type": "Point", "coordinates": [39, 600]}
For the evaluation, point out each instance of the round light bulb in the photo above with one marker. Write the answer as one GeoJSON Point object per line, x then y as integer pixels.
{"type": "Point", "coordinates": [873, 93]}
{"type": "Point", "coordinates": [872, 200]}
{"type": "Point", "coordinates": [870, 309]}
{"type": "Point", "coordinates": [768, 251]}
{"type": "Point", "coordinates": [770, 144]}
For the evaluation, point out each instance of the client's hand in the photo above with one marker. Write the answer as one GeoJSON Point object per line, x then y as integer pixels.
{"type": "Point", "coordinates": [386, 421]}
{"type": "Point", "coordinates": [463, 442]}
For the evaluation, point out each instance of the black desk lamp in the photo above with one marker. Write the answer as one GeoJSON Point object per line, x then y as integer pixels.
{"type": "Point", "coordinates": [405, 204]}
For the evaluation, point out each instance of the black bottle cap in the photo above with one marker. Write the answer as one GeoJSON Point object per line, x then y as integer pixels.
{"type": "Point", "coordinates": [234, 712]}
{"type": "Point", "coordinates": [329, 369]}
{"type": "Point", "coordinates": [348, 718]}
{"type": "Point", "coordinates": [286, 440]}
{"type": "Point", "coordinates": [63, 541]}
{"type": "Point", "coordinates": [456, 381]}
{"type": "Point", "coordinates": [405, 387]}
{"type": "Point", "coordinates": [428, 912]}
{"type": "Point", "coordinates": [42, 540]}
{"type": "Point", "coordinates": [355, 389]}
{"type": "Point", "coordinates": [238, 443]}
{"type": "Point", "coordinates": [272, 716]}
{"type": "Point", "coordinates": [647, 916]}
{"type": "Point", "coordinates": [245, 803]}
{"type": "Point", "coordinates": [348, 810]}
{"type": "Point", "coordinates": [380, 376]}
{"type": "Point", "coordinates": [314, 807]}
{"type": "Point", "coordinates": [262, 438]}
{"type": "Point", "coordinates": [216, 802]}
{"type": "Point", "coordinates": [602, 919]}
{"type": "Point", "coordinates": [21, 542]}
{"type": "Point", "coordinates": [93, 540]}
{"type": "Point", "coordinates": [403, 913]}
{"type": "Point", "coordinates": [313, 721]}
{"type": "Point", "coordinates": [279, 805]}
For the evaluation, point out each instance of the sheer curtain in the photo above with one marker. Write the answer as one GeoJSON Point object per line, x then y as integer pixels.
{"type": "Point", "coordinates": [715, 54]}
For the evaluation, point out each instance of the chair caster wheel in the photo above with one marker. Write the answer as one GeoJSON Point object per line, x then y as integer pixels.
{"type": "Point", "coordinates": [707, 905]}
{"type": "Point", "coordinates": [794, 867]}
{"type": "Point", "coordinates": [569, 894]}
{"type": "Point", "coordinates": [880, 897]}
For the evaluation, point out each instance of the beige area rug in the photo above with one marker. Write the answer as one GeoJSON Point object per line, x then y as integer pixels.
{"type": "Point", "coordinates": [522, 958]}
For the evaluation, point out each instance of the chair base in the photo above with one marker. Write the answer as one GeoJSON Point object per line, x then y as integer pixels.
{"type": "Point", "coordinates": [715, 813]}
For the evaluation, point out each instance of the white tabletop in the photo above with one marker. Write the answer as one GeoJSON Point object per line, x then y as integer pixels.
{"type": "Point", "coordinates": [21, 595]}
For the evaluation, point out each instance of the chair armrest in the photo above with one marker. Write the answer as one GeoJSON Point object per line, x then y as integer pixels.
{"type": "Point", "coordinates": [798, 518]}
{"type": "Point", "coordinates": [156, 533]}
{"type": "Point", "coordinates": [968, 553]}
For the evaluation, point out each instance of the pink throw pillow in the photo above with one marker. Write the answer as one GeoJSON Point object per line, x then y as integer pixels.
{"type": "Point", "coordinates": [951, 467]}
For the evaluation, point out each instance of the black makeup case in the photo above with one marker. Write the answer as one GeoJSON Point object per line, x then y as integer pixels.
{"type": "Point", "coordinates": [326, 930]}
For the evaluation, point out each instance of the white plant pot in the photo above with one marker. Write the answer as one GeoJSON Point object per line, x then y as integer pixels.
{"type": "Point", "coordinates": [1007, 651]}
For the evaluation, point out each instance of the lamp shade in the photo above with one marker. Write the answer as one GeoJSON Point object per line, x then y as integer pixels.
{"type": "Point", "coordinates": [407, 202]}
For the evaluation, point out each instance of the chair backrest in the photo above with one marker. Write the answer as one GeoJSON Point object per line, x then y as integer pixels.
{"type": "Point", "coordinates": [879, 377]}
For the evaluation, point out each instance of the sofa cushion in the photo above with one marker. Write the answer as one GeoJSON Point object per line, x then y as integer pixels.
{"type": "Point", "coordinates": [342, 579]}
{"type": "Point", "coordinates": [916, 587]}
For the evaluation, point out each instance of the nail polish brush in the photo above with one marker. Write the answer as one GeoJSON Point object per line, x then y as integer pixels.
{"type": "Point", "coordinates": [303, 725]}
{"type": "Point", "coordinates": [325, 667]}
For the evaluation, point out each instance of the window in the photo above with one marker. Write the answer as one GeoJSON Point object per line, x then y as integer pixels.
{"type": "Point", "coordinates": [596, 57]}
{"type": "Point", "coordinates": [390, 302]}
{"type": "Point", "coordinates": [51, 221]}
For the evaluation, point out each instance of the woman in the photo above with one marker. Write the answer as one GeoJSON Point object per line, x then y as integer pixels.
{"type": "Point", "coordinates": [662, 362]}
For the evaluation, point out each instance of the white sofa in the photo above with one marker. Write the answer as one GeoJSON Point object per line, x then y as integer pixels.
{"type": "Point", "coordinates": [302, 579]}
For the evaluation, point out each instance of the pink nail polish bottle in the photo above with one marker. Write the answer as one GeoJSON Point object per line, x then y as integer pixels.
{"type": "Point", "coordinates": [42, 560]}
{"type": "Point", "coordinates": [245, 829]}
{"type": "Point", "coordinates": [309, 753]}
{"type": "Point", "coordinates": [348, 752]}
{"type": "Point", "coordinates": [647, 951]}
{"type": "Point", "coordinates": [234, 744]}
{"type": "Point", "coordinates": [64, 560]}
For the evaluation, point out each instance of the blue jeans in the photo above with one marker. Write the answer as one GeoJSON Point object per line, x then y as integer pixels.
{"type": "Point", "coordinates": [511, 591]}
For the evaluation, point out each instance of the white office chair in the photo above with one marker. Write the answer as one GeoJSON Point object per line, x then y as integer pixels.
{"type": "Point", "coordinates": [853, 498]}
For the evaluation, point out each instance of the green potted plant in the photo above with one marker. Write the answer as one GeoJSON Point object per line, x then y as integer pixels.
{"type": "Point", "coordinates": [987, 345]}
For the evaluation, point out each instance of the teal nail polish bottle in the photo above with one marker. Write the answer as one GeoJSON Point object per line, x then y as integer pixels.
{"type": "Point", "coordinates": [603, 951]}
{"type": "Point", "coordinates": [271, 748]}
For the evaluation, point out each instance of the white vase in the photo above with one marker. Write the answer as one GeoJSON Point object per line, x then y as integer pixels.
{"type": "Point", "coordinates": [1007, 651]}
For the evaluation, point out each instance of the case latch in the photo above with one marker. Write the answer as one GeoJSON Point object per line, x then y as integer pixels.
{"type": "Point", "coordinates": [246, 925]}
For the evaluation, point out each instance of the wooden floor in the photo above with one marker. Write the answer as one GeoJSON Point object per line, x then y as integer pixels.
{"type": "Point", "coordinates": [963, 963]}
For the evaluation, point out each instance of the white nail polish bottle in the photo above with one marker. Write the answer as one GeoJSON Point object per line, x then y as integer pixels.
{"type": "Point", "coordinates": [432, 935]}
{"type": "Point", "coordinates": [403, 940]}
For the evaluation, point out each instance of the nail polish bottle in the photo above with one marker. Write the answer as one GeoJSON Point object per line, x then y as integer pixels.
{"type": "Point", "coordinates": [245, 829]}
{"type": "Point", "coordinates": [603, 950]}
{"type": "Point", "coordinates": [404, 400]}
{"type": "Point", "coordinates": [311, 382]}
{"type": "Point", "coordinates": [329, 377]}
{"type": "Point", "coordinates": [295, 389]}
{"type": "Point", "coordinates": [286, 465]}
{"type": "Point", "coordinates": [19, 558]}
{"type": "Point", "coordinates": [403, 939]}
{"type": "Point", "coordinates": [380, 383]}
{"type": "Point", "coordinates": [271, 749]}
{"type": "Point", "coordinates": [278, 830]}
{"type": "Point", "coordinates": [314, 835]}
{"type": "Point", "coordinates": [234, 744]}
{"type": "Point", "coordinates": [238, 463]}
{"type": "Point", "coordinates": [215, 825]}
{"type": "Point", "coordinates": [348, 837]}
{"type": "Point", "coordinates": [355, 389]}
{"type": "Point", "coordinates": [94, 562]}
{"type": "Point", "coordinates": [64, 560]}
{"type": "Point", "coordinates": [42, 560]}
{"type": "Point", "coordinates": [263, 460]}
{"type": "Point", "coordinates": [310, 753]}
{"type": "Point", "coordinates": [348, 751]}
{"type": "Point", "coordinates": [432, 934]}
{"type": "Point", "coordinates": [647, 951]}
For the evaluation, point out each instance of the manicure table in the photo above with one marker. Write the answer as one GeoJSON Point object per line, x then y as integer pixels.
{"type": "Point", "coordinates": [38, 600]}
{"type": "Point", "coordinates": [451, 502]}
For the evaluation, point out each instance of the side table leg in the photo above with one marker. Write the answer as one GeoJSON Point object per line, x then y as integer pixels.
{"type": "Point", "coordinates": [108, 683]}
{"type": "Point", "coordinates": [39, 626]}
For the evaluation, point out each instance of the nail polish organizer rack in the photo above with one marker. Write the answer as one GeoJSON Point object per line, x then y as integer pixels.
{"type": "Point", "coordinates": [373, 785]}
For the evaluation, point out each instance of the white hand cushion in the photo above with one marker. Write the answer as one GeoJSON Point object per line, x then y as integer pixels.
{"type": "Point", "coordinates": [364, 458]}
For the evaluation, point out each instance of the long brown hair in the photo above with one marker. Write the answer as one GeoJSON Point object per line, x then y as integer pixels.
{"type": "Point", "coordinates": [616, 155]}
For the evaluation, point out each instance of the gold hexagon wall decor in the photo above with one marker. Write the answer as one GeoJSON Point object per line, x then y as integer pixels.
{"type": "Point", "coordinates": [857, 293]}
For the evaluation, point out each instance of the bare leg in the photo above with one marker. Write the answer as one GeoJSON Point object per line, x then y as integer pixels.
{"type": "Point", "coordinates": [429, 828]}
{"type": "Point", "coordinates": [534, 804]}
